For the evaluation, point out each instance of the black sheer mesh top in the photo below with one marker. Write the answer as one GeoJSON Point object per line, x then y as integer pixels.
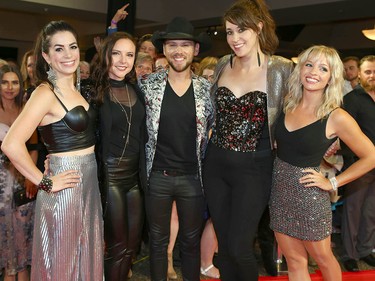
{"type": "Point", "coordinates": [76, 130]}
{"type": "Point", "coordinates": [241, 123]}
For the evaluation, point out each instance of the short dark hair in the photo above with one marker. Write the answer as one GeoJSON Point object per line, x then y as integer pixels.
{"type": "Point", "coordinates": [346, 59]}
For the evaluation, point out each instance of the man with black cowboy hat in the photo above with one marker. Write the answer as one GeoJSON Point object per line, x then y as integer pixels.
{"type": "Point", "coordinates": [179, 113]}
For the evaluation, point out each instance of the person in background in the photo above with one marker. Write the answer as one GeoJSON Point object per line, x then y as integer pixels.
{"type": "Point", "coordinates": [16, 222]}
{"type": "Point", "coordinates": [161, 63]}
{"type": "Point", "coordinates": [144, 65]}
{"type": "Point", "coordinates": [145, 45]}
{"type": "Point", "coordinates": [68, 225]}
{"type": "Point", "coordinates": [3, 62]}
{"type": "Point", "coordinates": [121, 152]}
{"type": "Point", "coordinates": [358, 222]}
{"type": "Point", "coordinates": [84, 69]}
{"type": "Point", "coordinates": [28, 73]}
{"type": "Point", "coordinates": [247, 93]}
{"type": "Point", "coordinates": [208, 239]}
{"type": "Point", "coordinates": [351, 68]}
{"type": "Point", "coordinates": [178, 116]}
{"type": "Point", "coordinates": [312, 119]}
{"type": "Point", "coordinates": [207, 67]}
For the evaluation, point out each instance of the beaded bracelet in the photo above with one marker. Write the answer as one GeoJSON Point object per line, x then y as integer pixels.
{"type": "Point", "coordinates": [334, 183]}
{"type": "Point", "coordinates": [46, 184]}
{"type": "Point", "coordinates": [114, 22]}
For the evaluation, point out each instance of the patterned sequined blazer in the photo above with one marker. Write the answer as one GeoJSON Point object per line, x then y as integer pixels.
{"type": "Point", "coordinates": [153, 88]}
{"type": "Point", "coordinates": [278, 71]}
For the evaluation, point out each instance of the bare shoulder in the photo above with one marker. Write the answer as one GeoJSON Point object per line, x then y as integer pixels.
{"type": "Point", "coordinates": [339, 117]}
{"type": "Point", "coordinates": [341, 123]}
{"type": "Point", "coordinates": [41, 104]}
{"type": "Point", "coordinates": [43, 91]}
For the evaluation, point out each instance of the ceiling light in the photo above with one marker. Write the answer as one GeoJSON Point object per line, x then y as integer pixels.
{"type": "Point", "coordinates": [369, 33]}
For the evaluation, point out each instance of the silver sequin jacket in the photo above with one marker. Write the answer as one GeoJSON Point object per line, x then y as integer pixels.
{"type": "Point", "coordinates": [278, 71]}
{"type": "Point", "coordinates": [153, 88]}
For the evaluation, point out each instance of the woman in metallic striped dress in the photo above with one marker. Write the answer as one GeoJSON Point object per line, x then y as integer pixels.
{"type": "Point", "coordinates": [68, 230]}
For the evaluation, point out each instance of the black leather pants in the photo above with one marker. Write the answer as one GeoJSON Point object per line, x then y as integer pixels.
{"type": "Point", "coordinates": [123, 217]}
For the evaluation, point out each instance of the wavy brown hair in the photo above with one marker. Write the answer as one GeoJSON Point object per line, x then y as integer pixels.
{"type": "Point", "coordinates": [101, 71]}
{"type": "Point", "coordinates": [248, 14]}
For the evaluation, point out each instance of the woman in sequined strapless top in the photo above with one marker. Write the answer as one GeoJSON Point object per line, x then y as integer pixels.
{"type": "Point", "coordinates": [247, 93]}
{"type": "Point", "coordinates": [300, 205]}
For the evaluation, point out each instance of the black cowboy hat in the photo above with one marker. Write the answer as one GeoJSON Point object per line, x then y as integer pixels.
{"type": "Point", "coordinates": [180, 28]}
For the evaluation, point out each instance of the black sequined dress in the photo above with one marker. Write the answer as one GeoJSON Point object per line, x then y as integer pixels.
{"type": "Point", "coordinates": [295, 210]}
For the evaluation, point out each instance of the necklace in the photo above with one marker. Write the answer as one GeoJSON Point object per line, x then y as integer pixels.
{"type": "Point", "coordinates": [128, 119]}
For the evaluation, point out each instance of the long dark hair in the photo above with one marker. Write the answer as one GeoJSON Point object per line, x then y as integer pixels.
{"type": "Point", "coordinates": [19, 98]}
{"type": "Point", "coordinates": [101, 71]}
{"type": "Point", "coordinates": [247, 14]}
{"type": "Point", "coordinates": [43, 44]}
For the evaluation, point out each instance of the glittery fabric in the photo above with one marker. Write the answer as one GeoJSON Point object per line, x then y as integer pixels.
{"type": "Point", "coordinates": [68, 232]}
{"type": "Point", "coordinates": [278, 72]}
{"type": "Point", "coordinates": [239, 121]}
{"type": "Point", "coordinates": [16, 223]}
{"type": "Point", "coordinates": [153, 87]}
{"type": "Point", "coordinates": [298, 211]}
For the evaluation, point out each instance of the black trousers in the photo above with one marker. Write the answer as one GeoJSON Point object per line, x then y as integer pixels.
{"type": "Point", "coordinates": [123, 218]}
{"type": "Point", "coordinates": [186, 190]}
{"type": "Point", "coordinates": [358, 222]}
{"type": "Point", "coordinates": [237, 187]}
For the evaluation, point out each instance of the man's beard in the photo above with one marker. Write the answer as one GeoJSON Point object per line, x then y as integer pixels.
{"type": "Point", "coordinates": [180, 68]}
{"type": "Point", "coordinates": [369, 87]}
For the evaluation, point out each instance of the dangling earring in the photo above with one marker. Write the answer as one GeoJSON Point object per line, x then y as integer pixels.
{"type": "Point", "coordinates": [78, 82]}
{"type": "Point", "coordinates": [231, 59]}
{"type": "Point", "coordinates": [258, 56]}
{"type": "Point", "coordinates": [51, 76]}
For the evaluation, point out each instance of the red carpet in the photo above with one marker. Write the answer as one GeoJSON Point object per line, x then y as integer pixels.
{"type": "Point", "coordinates": [365, 275]}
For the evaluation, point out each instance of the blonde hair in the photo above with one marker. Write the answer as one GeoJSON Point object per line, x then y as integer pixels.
{"type": "Point", "coordinates": [207, 62]}
{"type": "Point", "coordinates": [333, 93]}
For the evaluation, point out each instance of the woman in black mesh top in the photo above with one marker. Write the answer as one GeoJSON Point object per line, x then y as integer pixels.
{"type": "Point", "coordinates": [120, 152]}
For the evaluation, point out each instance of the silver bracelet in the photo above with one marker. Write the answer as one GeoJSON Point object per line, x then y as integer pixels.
{"type": "Point", "coordinates": [334, 183]}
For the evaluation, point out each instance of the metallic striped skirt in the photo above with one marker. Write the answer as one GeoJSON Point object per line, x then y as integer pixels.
{"type": "Point", "coordinates": [68, 228]}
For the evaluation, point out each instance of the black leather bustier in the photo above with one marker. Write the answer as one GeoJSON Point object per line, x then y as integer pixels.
{"type": "Point", "coordinates": [239, 121]}
{"type": "Point", "coordinates": [76, 130]}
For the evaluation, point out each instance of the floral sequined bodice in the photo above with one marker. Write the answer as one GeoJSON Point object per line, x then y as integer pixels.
{"type": "Point", "coordinates": [239, 121]}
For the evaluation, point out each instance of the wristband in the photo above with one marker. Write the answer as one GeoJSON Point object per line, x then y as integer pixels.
{"type": "Point", "coordinates": [46, 184]}
{"type": "Point", "coordinates": [113, 22]}
{"type": "Point", "coordinates": [334, 183]}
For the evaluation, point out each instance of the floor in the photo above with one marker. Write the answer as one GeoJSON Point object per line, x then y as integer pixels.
{"type": "Point", "coordinates": [141, 265]}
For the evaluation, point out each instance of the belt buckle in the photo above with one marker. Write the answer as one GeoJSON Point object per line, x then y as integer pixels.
{"type": "Point", "coordinates": [169, 173]}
